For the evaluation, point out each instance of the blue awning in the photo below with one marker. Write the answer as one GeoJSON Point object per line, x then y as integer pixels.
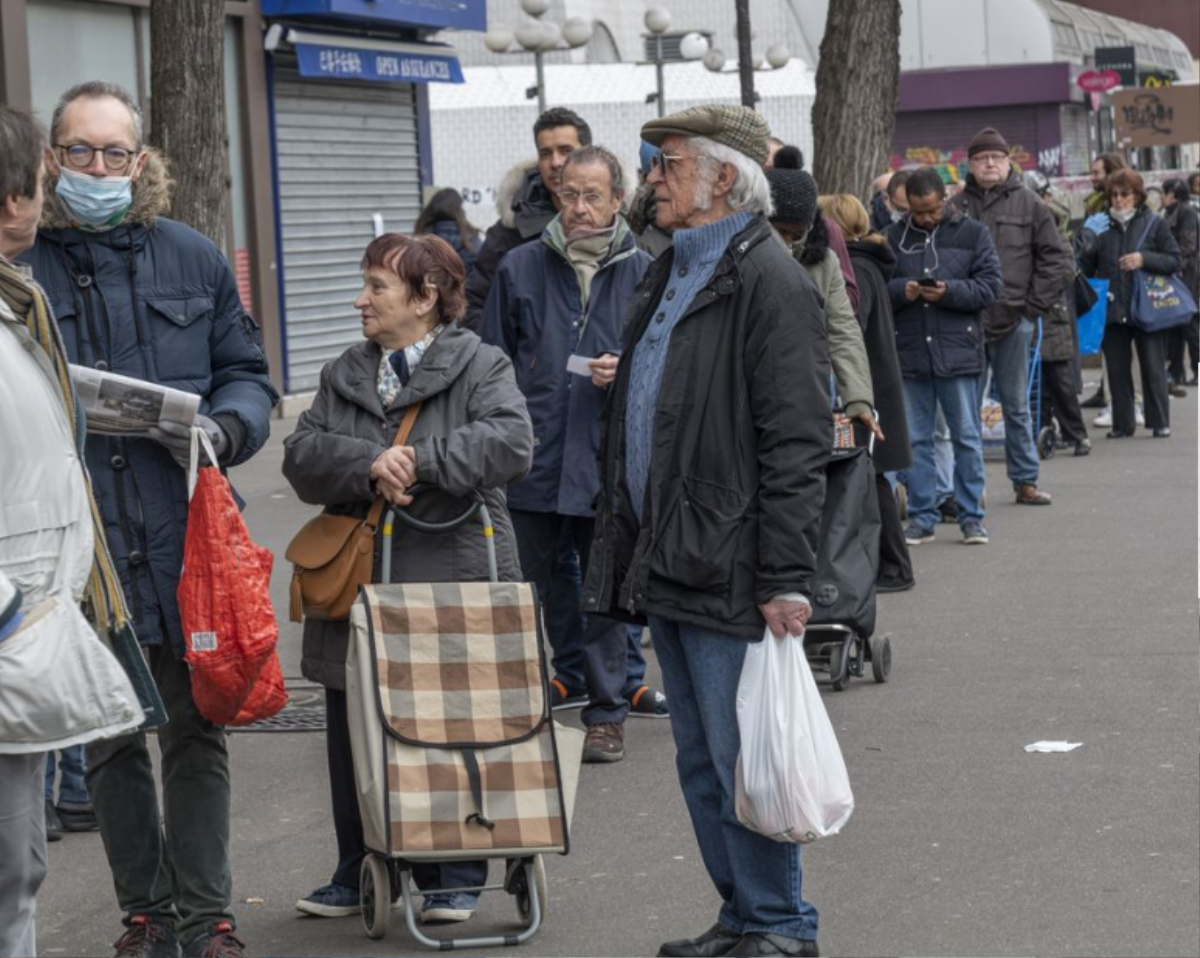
{"type": "Point", "coordinates": [430, 14]}
{"type": "Point", "coordinates": [380, 61]}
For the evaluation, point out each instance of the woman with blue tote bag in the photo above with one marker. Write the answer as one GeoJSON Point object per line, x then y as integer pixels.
{"type": "Point", "coordinates": [1134, 245]}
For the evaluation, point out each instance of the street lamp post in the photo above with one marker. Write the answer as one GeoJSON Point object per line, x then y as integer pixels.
{"type": "Point", "coordinates": [778, 56]}
{"type": "Point", "coordinates": [693, 46]}
{"type": "Point", "coordinates": [539, 37]}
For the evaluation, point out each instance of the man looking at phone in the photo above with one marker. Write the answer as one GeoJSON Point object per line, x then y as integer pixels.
{"type": "Point", "coordinates": [556, 308]}
{"type": "Point", "coordinates": [947, 273]}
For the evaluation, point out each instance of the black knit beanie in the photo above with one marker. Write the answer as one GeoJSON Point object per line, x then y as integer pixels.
{"type": "Point", "coordinates": [794, 193]}
{"type": "Point", "coordinates": [987, 140]}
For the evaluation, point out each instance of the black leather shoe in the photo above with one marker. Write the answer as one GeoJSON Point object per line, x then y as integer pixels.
{"type": "Point", "coordinates": [1117, 434]}
{"type": "Point", "coordinates": [1095, 401]}
{"type": "Point", "coordinates": [718, 940]}
{"type": "Point", "coordinates": [761, 943]}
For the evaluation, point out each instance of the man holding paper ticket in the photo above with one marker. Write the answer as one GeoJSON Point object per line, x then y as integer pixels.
{"type": "Point", "coordinates": [556, 309]}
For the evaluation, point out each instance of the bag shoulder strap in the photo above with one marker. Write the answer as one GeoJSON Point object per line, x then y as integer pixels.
{"type": "Point", "coordinates": [406, 425]}
{"type": "Point", "coordinates": [1146, 232]}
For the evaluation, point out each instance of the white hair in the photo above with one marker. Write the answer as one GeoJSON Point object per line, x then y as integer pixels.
{"type": "Point", "coordinates": [750, 193]}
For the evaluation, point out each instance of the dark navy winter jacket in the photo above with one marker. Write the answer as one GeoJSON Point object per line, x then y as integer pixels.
{"type": "Point", "coordinates": [156, 302]}
{"type": "Point", "coordinates": [943, 339]}
{"type": "Point", "coordinates": [534, 313]}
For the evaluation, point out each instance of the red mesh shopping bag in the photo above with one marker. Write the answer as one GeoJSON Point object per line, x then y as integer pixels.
{"type": "Point", "coordinates": [229, 624]}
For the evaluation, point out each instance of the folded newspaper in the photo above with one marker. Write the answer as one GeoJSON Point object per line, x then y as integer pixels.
{"type": "Point", "coordinates": [118, 405]}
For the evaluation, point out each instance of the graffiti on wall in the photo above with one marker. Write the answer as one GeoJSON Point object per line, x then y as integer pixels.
{"type": "Point", "coordinates": [952, 164]}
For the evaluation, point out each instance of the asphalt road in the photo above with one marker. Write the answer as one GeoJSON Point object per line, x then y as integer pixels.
{"type": "Point", "coordinates": [1078, 622]}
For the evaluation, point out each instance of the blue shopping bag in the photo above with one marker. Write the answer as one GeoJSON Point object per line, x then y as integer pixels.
{"type": "Point", "coordinates": [1091, 323]}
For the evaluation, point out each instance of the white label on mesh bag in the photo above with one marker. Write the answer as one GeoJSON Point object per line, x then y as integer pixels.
{"type": "Point", "coordinates": [204, 641]}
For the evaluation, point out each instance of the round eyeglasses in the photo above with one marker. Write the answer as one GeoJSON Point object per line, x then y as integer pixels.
{"type": "Point", "coordinates": [79, 156]}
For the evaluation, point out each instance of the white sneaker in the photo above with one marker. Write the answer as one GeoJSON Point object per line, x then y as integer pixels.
{"type": "Point", "coordinates": [1138, 416]}
{"type": "Point", "coordinates": [1105, 417]}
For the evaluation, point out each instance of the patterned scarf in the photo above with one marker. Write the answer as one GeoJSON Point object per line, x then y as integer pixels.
{"type": "Point", "coordinates": [105, 600]}
{"type": "Point", "coordinates": [387, 382]}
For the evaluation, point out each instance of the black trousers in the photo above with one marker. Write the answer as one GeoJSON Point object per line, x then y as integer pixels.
{"type": "Point", "coordinates": [605, 642]}
{"type": "Point", "coordinates": [1119, 340]}
{"type": "Point", "coordinates": [895, 562]}
{"type": "Point", "coordinates": [1189, 335]}
{"type": "Point", "coordinates": [347, 819]}
{"type": "Point", "coordinates": [1060, 400]}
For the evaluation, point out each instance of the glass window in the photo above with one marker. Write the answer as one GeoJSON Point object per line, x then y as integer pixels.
{"type": "Point", "coordinates": [71, 42]}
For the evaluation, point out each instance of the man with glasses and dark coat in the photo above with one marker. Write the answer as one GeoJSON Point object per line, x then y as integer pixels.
{"type": "Point", "coordinates": [145, 296]}
{"type": "Point", "coordinates": [1034, 259]}
{"type": "Point", "coordinates": [713, 452]}
{"type": "Point", "coordinates": [556, 308]}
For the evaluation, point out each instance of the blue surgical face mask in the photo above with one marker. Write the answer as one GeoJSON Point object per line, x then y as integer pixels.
{"type": "Point", "coordinates": [95, 202]}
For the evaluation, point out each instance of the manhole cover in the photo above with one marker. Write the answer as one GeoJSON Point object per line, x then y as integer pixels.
{"type": "Point", "coordinates": [305, 712]}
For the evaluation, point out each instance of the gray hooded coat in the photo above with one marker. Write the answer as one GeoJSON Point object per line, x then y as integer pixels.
{"type": "Point", "coordinates": [473, 432]}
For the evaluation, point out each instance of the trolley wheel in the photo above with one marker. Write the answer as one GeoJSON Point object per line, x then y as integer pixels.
{"type": "Point", "coordinates": [375, 891]}
{"type": "Point", "coordinates": [881, 657]}
{"type": "Point", "coordinates": [902, 500]}
{"type": "Point", "coordinates": [838, 662]}
{"type": "Point", "coordinates": [1047, 442]}
{"type": "Point", "coordinates": [520, 889]}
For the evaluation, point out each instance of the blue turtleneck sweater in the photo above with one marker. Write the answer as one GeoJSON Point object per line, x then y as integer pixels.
{"type": "Point", "coordinates": [697, 252]}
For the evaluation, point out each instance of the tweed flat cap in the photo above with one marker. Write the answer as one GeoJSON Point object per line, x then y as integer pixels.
{"type": "Point", "coordinates": [737, 127]}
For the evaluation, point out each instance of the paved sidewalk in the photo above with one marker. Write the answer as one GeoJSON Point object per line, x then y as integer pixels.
{"type": "Point", "coordinates": [1078, 621]}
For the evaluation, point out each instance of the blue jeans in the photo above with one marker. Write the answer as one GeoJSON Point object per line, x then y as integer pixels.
{"type": "Point", "coordinates": [564, 621]}
{"type": "Point", "coordinates": [758, 879]}
{"type": "Point", "coordinates": [943, 454]}
{"type": "Point", "coordinates": [1009, 359]}
{"type": "Point", "coordinates": [635, 668]}
{"type": "Point", "coordinates": [959, 398]}
{"type": "Point", "coordinates": [73, 765]}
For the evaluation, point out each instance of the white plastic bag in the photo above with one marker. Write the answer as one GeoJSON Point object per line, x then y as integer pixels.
{"type": "Point", "coordinates": [792, 784]}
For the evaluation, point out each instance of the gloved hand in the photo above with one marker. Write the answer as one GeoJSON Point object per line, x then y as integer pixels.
{"type": "Point", "coordinates": [177, 440]}
{"type": "Point", "coordinates": [1098, 223]}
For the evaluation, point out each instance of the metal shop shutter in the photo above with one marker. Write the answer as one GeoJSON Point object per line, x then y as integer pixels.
{"type": "Point", "coordinates": [941, 137]}
{"type": "Point", "coordinates": [344, 152]}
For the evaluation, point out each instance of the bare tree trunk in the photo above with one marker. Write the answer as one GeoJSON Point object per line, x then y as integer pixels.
{"type": "Point", "coordinates": [187, 107]}
{"type": "Point", "coordinates": [858, 82]}
{"type": "Point", "coordinates": [745, 60]}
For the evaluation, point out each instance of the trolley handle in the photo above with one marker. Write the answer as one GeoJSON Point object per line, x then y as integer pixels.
{"type": "Point", "coordinates": [475, 506]}
{"type": "Point", "coordinates": [401, 514]}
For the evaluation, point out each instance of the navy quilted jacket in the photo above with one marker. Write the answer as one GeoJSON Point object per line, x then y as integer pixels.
{"type": "Point", "coordinates": [943, 339]}
{"type": "Point", "coordinates": [156, 302]}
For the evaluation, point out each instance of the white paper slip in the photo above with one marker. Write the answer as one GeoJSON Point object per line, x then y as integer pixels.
{"type": "Point", "coordinates": [1053, 746]}
{"type": "Point", "coordinates": [579, 366]}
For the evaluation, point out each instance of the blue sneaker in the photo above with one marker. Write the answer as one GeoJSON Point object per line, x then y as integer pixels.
{"type": "Point", "coordinates": [974, 534]}
{"type": "Point", "coordinates": [648, 702]}
{"type": "Point", "coordinates": [331, 901]}
{"type": "Point", "coordinates": [447, 907]}
{"type": "Point", "coordinates": [914, 535]}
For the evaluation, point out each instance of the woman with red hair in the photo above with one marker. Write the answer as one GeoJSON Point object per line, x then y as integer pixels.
{"type": "Point", "coordinates": [472, 433]}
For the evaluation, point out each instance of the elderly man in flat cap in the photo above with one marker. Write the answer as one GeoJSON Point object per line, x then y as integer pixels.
{"type": "Point", "coordinates": [713, 451]}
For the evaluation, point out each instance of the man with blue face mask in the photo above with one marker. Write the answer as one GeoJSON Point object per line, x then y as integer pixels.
{"type": "Point", "coordinates": [145, 296]}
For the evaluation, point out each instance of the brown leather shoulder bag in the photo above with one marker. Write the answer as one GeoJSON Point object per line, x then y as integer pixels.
{"type": "Point", "coordinates": [332, 556]}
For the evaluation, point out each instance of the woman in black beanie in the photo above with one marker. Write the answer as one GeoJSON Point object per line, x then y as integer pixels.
{"type": "Point", "coordinates": [796, 220]}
